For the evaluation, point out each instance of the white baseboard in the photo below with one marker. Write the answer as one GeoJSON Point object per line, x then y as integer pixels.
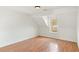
{"type": "Point", "coordinates": [57, 38]}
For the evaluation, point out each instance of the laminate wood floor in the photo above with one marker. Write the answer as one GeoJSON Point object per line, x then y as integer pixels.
{"type": "Point", "coordinates": [42, 44]}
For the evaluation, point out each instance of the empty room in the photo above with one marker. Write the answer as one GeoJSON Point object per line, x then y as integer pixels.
{"type": "Point", "coordinates": [39, 29]}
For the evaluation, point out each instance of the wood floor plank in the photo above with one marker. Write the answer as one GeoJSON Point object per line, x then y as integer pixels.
{"type": "Point", "coordinates": [41, 44]}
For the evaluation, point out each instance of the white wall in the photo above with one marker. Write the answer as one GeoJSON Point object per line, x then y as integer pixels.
{"type": "Point", "coordinates": [15, 27]}
{"type": "Point", "coordinates": [78, 26]}
{"type": "Point", "coordinates": [67, 20]}
{"type": "Point", "coordinates": [66, 24]}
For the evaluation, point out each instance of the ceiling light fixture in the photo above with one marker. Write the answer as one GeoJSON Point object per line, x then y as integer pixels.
{"type": "Point", "coordinates": [37, 7]}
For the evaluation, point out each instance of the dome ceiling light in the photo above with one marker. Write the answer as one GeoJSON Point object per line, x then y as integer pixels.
{"type": "Point", "coordinates": [37, 7]}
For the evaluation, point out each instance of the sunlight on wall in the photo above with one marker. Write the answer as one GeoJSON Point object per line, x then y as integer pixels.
{"type": "Point", "coordinates": [45, 18]}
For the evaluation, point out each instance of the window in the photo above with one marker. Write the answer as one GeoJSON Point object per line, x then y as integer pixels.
{"type": "Point", "coordinates": [51, 22]}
